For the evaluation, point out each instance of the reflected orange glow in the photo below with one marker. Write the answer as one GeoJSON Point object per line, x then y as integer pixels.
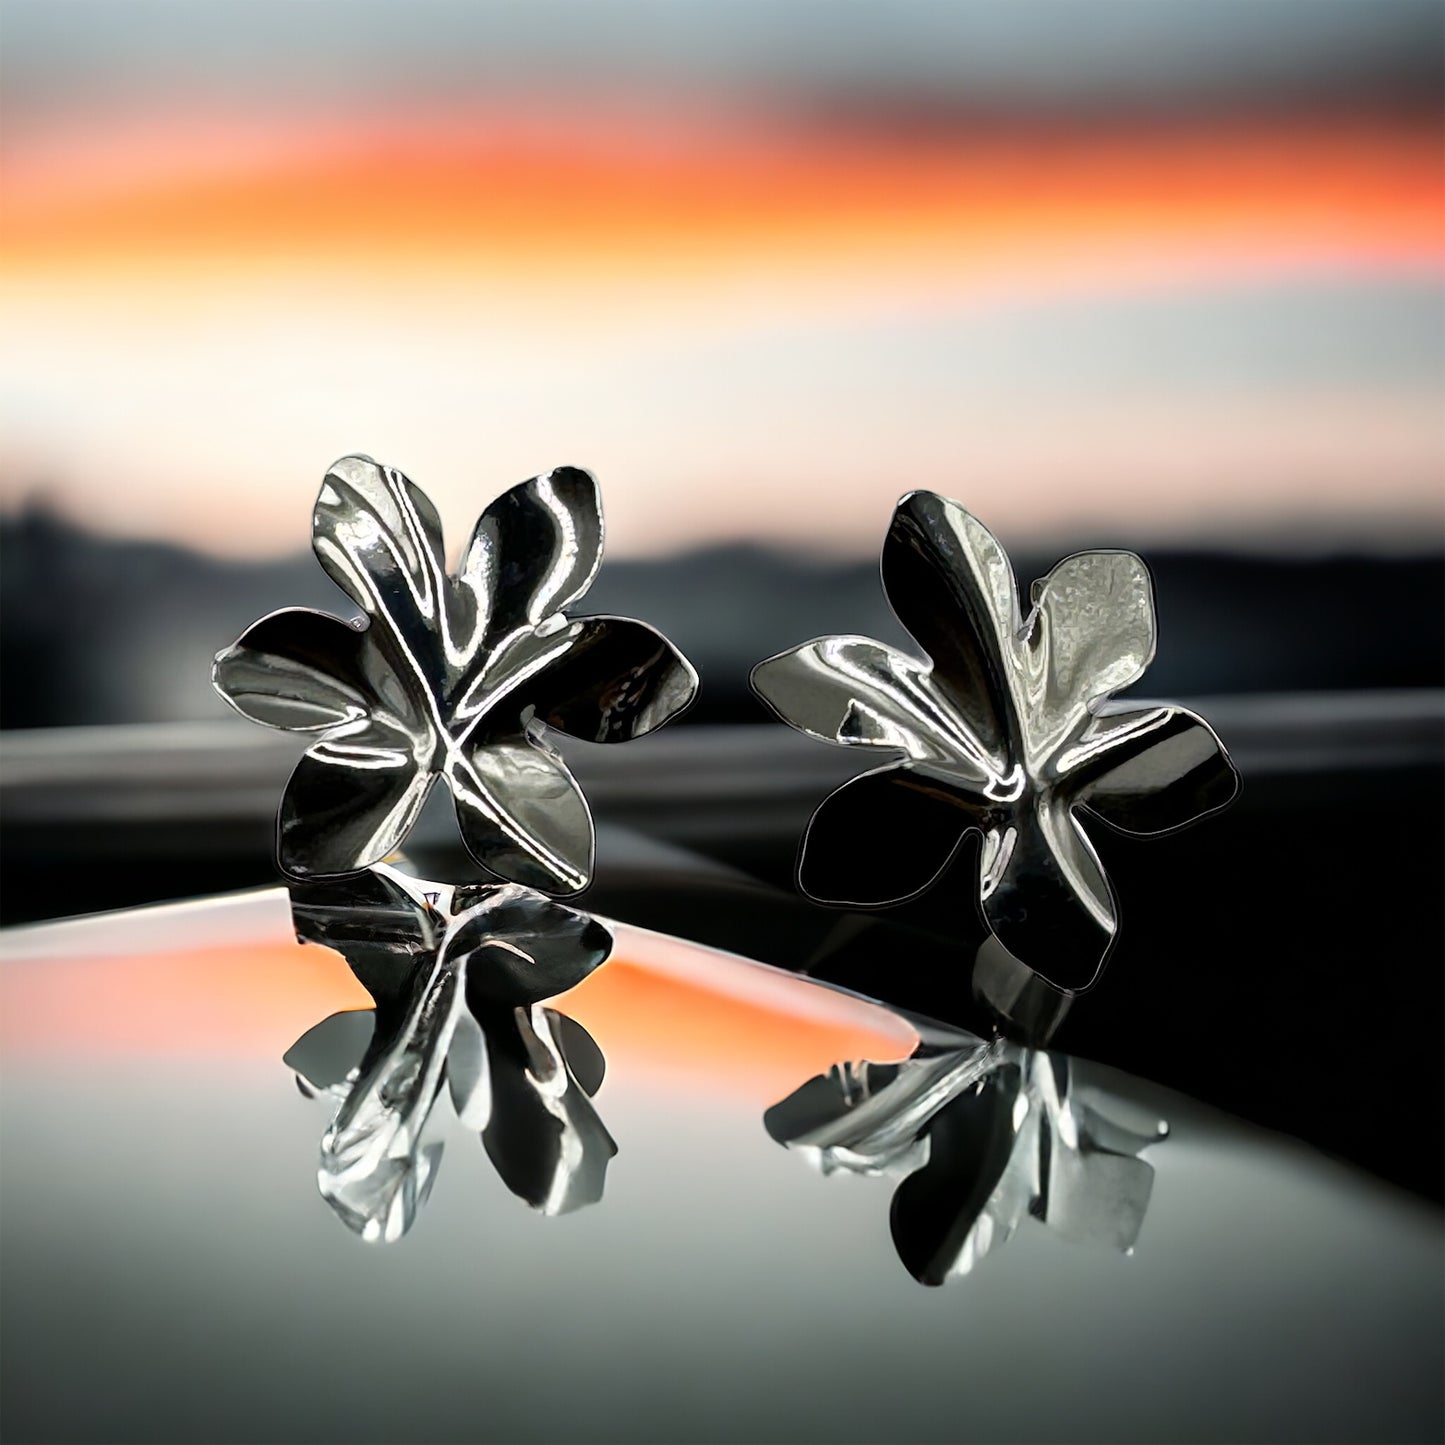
{"type": "Point", "coordinates": [211, 1001]}
{"type": "Point", "coordinates": [759, 1041]}
{"type": "Point", "coordinates": [671, 1008]}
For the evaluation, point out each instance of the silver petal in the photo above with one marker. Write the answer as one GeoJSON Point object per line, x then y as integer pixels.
{"type": "Point", "coordinates": [379, 539]}
{"type": "Point", "coordinates": [375, 1171]}
{"type": "Point", "coordinates": [526, 948]}
{"type": "Point", "coordinates": [296, 669]}
{"type": "Point", "coordinates": [1091, 633]}
{"type": "Point", "coordinates": [544, 1138]}
{"type": "Point", "coordinates": [352, 799]}
{"type": "Point", "coordinates": [1045, 894]}
{"type": "Point", "coordinates": [953, 588]}
{"type": "Point", "coordinates": [852, 690]}
{"type": "Point", "coordinates": [617, 680]}
{"type": "Point", "coordinates": [522, 815]}
{"type": "Point", "coordinates": [1173, 771]}
{"type": "Point", "coordinates": [535, 550]}
{"type": "Point", "coordinates": [849, 852]}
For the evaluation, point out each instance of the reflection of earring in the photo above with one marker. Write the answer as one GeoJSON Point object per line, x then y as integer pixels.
{"type": "Point", "coordinates": [1008, 732]}
{"type": "Point", "coordinates": [458, 977]}
{"type": "Point", "coordinates": [981, 1136]}
{"type": "Point", "coordinates": [452, 677]}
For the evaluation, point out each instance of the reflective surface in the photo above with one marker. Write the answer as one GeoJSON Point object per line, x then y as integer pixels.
{"type": "Point", "coordinates": [982, 1135]}
{"type": "Point", "coordinates": [458, 977]}
{"type": "Point", "coordinates": [169, 1274]}
{"type": "Point", "coordinates": [1006, 731]}
{"type": "Point", "coordinates": [452, 677]}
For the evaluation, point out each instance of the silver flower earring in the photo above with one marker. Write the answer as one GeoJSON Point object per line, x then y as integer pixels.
{"type": "Point", "coordinates": [451, 676]}
{"type": "Point", "coordinates": [1008, 731]}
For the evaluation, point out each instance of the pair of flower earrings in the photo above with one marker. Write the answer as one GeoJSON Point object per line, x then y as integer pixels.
{"type": "Point", "coordinates": [1008, 730]}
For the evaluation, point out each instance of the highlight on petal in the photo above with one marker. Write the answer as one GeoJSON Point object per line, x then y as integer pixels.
{"type": "Point", "coordinates": [544, 1138]}
{"type": "Point", "coordinates": [618, 680]}
{"type": "Point", "coordinates": [1091, 633]}
{"type": "Point", "coordinates": [952, 587]}
{"type": "Point", "coordinates": [522, 815]}
{"type": "Point", "coordinates": [378, 925]}
{"type": "Point", "coordinates": [853, 690]}
{"type": "Point", "coordinates": [522, 948]}
{"type": "Point", "coordinates": [535, 550]}
{"type": "Point", "coordinates": [352, 799]}
{"type": "Point", "coordinates": [977, 1185]}
{"type": "Point", "coordinates": [1045, 895]}
{"type": "Point", "coordinates": [1155, 769]}
{"type": "Point", "coordinates": [468, 1080]}
{"type": "Point", "coordinates": [296, 669]}
{"type": "Point", "coordinates": [377, 1161]}
{"type": "Point", "coordinates": [881, 838]}
{"type": "Point", "coordinates": [870, 1118]}
{"type": "Point", "coordinates": [380, 540]}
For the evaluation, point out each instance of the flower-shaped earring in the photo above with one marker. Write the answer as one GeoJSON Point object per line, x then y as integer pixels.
{"type": "Point", "coordinates": [452, 677]}
{"type": "Point", "coordinates": [1008, 732]}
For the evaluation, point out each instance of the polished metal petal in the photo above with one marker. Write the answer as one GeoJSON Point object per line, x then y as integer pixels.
{"type": "Point", "coordinates": [1173, 771]}
{"type": "Point", "coordinates": [458, 975]}
{"type": "Point", "coordinates": [451, 677]}
{"type": "Point", "coordinates": [351, 801]}
{"type": "Point", "coordinates": [1090, 634]}
{"type": "Point", "coordinates": [847, 855]}
{"type": "Point", "coordinates": [544, 1138]}
{"type": "Point", "coordinates": [378, 537]}
{"type": "Point", "coordinates": [854, 691]}
{"type": "Point", "coordinates": [522, 953]}
{"type": "Point", "coordinates": [522, 815]}
{"type": "Point", "coordinates": [617, 680]}
{"type": "Point", "coordinates": [299, 670]}
{"type": "Point", "coordinates": [386, 924]}
{"type": "Point", "coordinates": [983, 1135]}
{"type": "Point", "coordinates": [867, 1118]}
{"type": "Point", "coordinates": [326, 1057]}
{"type": "Point", "coordinates": [952, 587]}
{"type": "Point", "coordinates": [374, 1169]}
{"type": "Point", "coordinates": [1044, 892]}
{"type": "Point", "coordinates": [534, 551]}
{"type": "Point", "coordinates": [1008, 732]}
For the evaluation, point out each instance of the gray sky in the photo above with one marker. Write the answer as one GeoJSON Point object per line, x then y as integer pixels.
{"type": "Point", "coordinates": [969, 54]}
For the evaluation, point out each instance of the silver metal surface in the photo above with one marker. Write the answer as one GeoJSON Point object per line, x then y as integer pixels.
{"type": "Point", "coordinates": [982, 1135]}
{"type": "Point", "coordinates": [1008, 731]}
{"type": "Point", "coordinates": [458, 976]}
{"type": "Point", "coordinates": [451, 676]}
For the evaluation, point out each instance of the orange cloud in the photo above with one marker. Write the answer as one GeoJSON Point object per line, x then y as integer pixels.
{"type": "Point", "coordinates": [475, 193]}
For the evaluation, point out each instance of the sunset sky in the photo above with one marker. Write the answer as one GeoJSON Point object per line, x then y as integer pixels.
{"type": "Point", "coordinates": [760, 268]}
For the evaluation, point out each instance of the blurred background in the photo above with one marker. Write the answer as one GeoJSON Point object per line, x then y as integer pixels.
{"type": "Point", "coordinates": [1151, 273]}
{"type": "Point", "coordinates": [1165, 274]}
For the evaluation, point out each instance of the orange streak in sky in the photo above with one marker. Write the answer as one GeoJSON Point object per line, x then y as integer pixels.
{"type": "Point", "coordinates": [476, 197]}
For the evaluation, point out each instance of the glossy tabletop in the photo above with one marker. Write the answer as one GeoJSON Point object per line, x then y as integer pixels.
{"type": "Point", "coordinates": [170, 1272]}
